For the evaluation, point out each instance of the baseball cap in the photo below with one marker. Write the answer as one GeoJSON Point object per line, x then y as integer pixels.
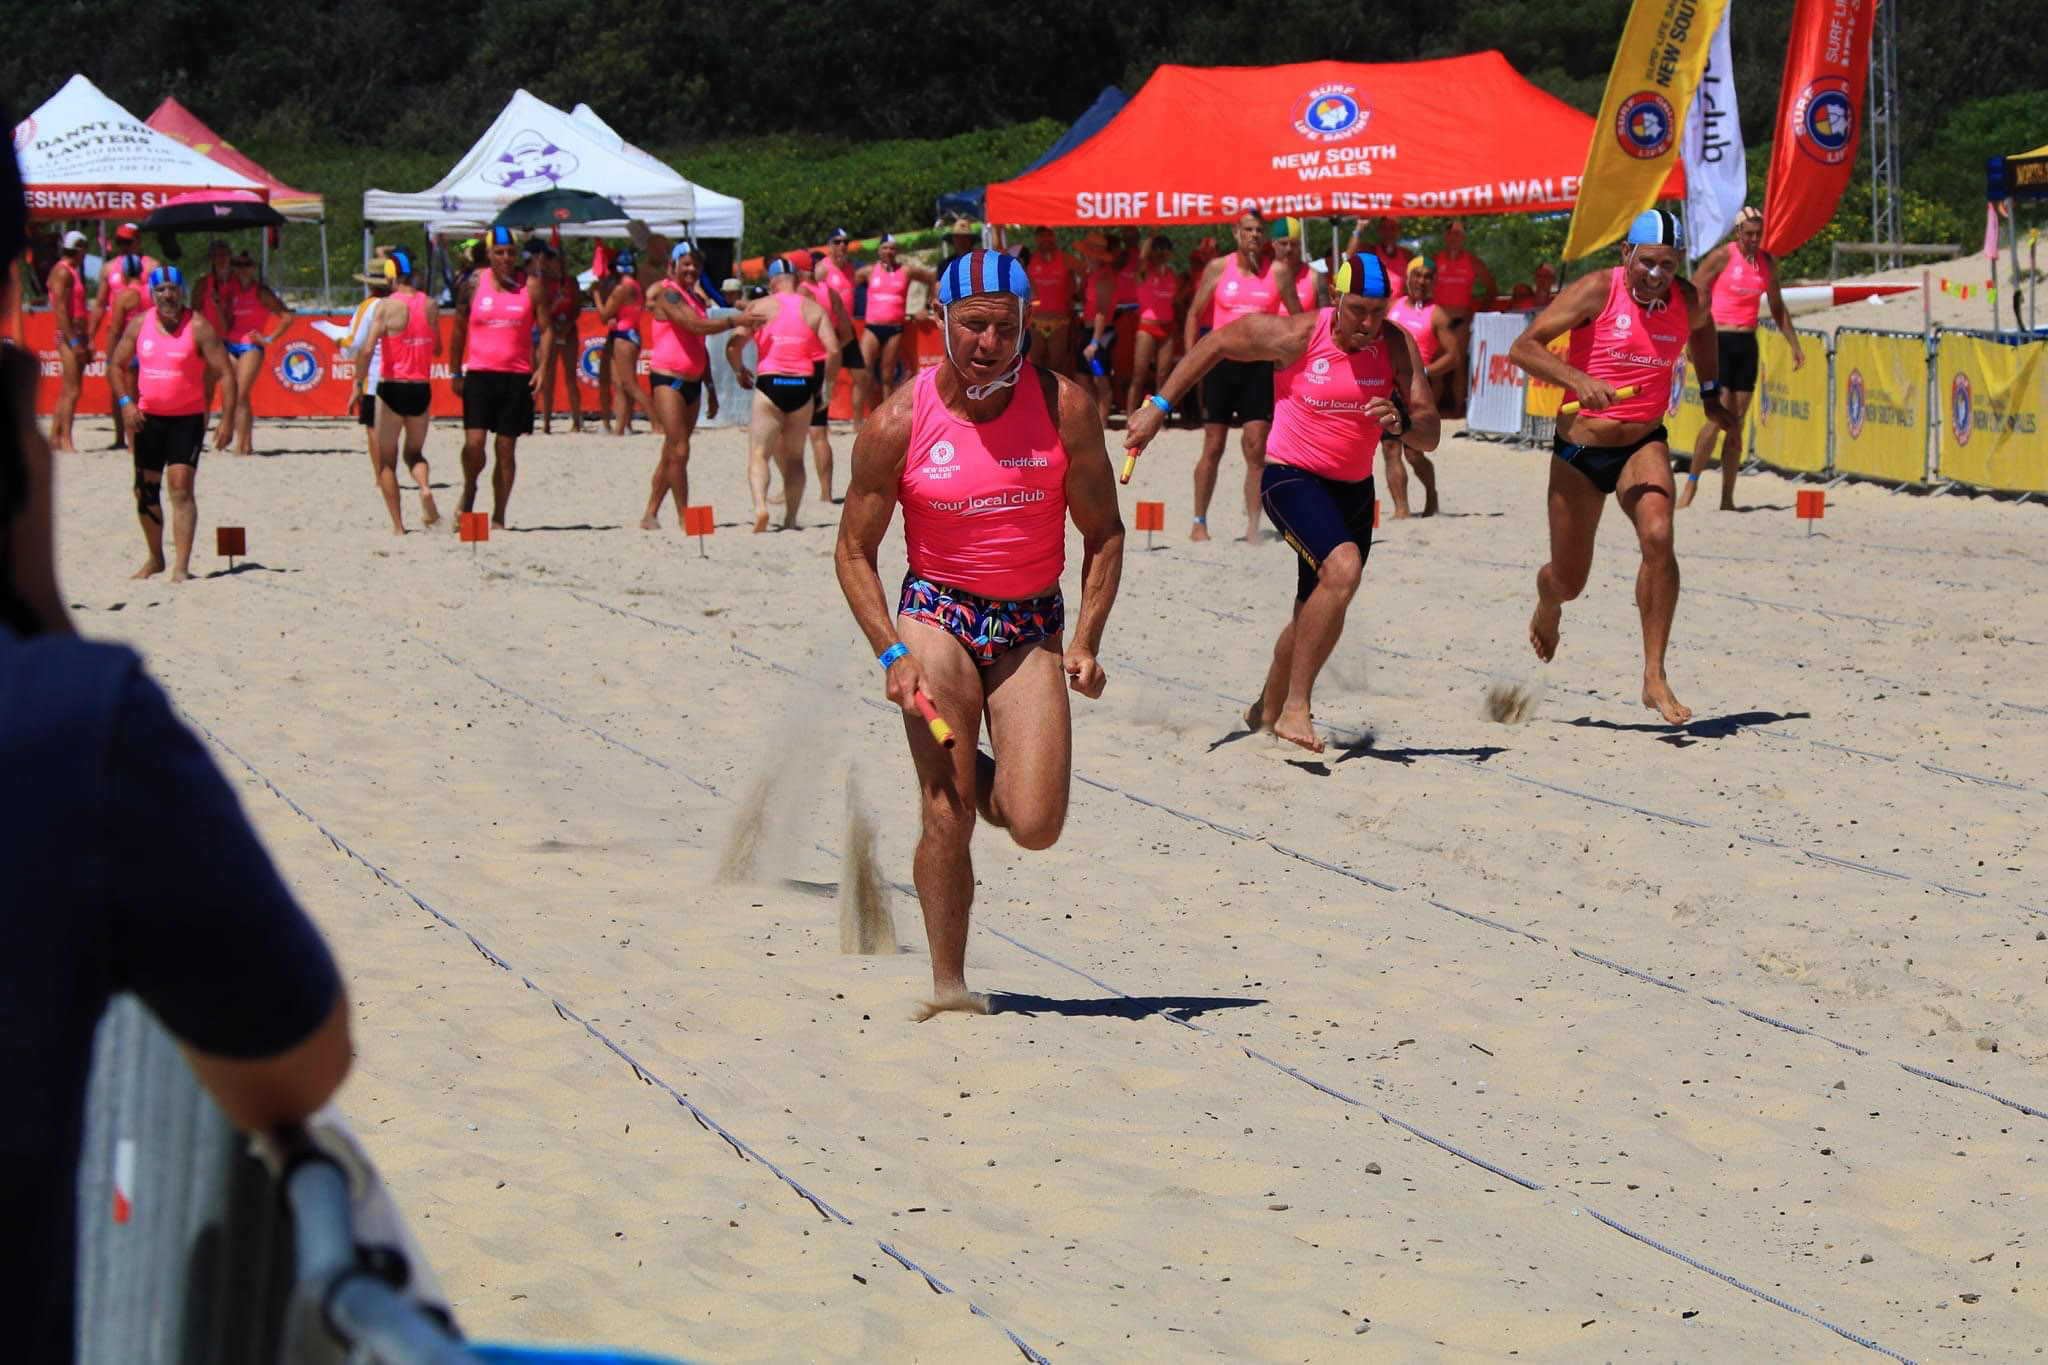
{"type": "Point", "coordinates": [73, 240]}
{"type": "Point", "coordinates": [839, 235]}
{"type": "Point", "coordinates": [887, 239]}
{"type": "Point", "coordinates": [126, 232]}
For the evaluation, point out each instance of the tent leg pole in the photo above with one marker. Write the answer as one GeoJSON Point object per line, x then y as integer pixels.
{"type": "Point", "coordinates": [326, 273]}
{"type": "Point", "coordinates": [366, 248]}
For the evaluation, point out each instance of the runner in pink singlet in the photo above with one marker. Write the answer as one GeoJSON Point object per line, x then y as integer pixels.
{"type": "Point", "coordinates": [1437, 344]}
{"type": "Point", "coordinates": [405, 329]}
{"type": "Point", "coordinates": [1055, 284]}
{"type": "Point", "coordinates": [989, 457]}
{"type": "Point", "coordinates": [156, 373]}
{"type": "Point", "coordinates": [840, 273]}
{"type": "Point", "coordinates": [1237, 392]}
{"type": "Point", "coordinates": [676, 322]}
{"type": "Point", "coordinates": [623, 308]}
{"type": "Point", "coordinates": [1344, 379]}
{"type": "Point", "coordinates": [1628, 327]}
{"type": "Point", "coordinates": [796, 361]}
{"type": "Point", "coordinates": [256, 318]}
{"type": "Point", "coordinates": [1157, 289]}
{"type": "Point", "coordinates": [66, 288]}
{"type": "Point", "coordinates": [1739, 276]}
{"type": "Point", "coordinates": [881, 341]}
{"type": "Point", "coordinates": [496, 373]}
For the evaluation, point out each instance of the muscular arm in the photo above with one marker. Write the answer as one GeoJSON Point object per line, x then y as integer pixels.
{"type": "Point", "coordinates": [829, 339]}
{"type": "Point", "coordinates": [879, 451]}
{"type": "Point", "coordinates": [1448, 350]}
{"type": "Point", "coordinates": [1710, 269]}
{"type": "Point", "coordinates": [458, 331]}
{"type": "Point", "coordinates": [535, 292]}
{"type": "Point", "coordinates": [1580, 303]}
{"type": "Point", "coordinates": [1283, 280]}
{"type": "Point", "coordinates": [1779, 314]}
{"type": "Point", "coordinates": [1489, 292]}
{"type": "Point", "coordinates": [736, 348]}
{"type": "Point", "coordinates": [1258, 336]}
{"type": "Point", "coordinates": [120, 377]}
{"type": "Point", "coordinates": [208, 342]}
{"type": "Point", "coordinates": [280, 310]}
{"type": "Point", "coordinates": [662, 304]}
{"type": "Point", "coordinates": [1091, 502]}
{"type": "Point", "coordinates": [1204, 292]}
{"type": "Point", "coordinates": [1425, 426]}
{"type": "Point", "coordinates": [1701, 345]}
{"type": "Point", "coordinates": [434, 324]}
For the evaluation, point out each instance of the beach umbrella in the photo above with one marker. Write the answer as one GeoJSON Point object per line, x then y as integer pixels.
{"type": "Point", "coordinates": [550, 208]}
{"type": "Point", "coordinates": [212, 210]}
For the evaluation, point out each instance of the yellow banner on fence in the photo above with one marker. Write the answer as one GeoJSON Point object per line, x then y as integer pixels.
{"type": "Point", "coordinates": [1880, 415]}
{"type": "Point", "coordinates": [1788, 426]}
{"type": "Point", "coordinates": [1542, 398]}
{"type": "Point", "coordinates": [1997, 410]}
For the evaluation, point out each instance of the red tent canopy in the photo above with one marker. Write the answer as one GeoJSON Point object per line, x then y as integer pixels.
{"type": "Point", "coordinates": [1200, 144]}
{"type": "Point", "coordinates": [175, 120]}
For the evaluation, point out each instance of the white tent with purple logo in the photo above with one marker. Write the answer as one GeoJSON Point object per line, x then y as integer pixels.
{"type": "Point", "coordinates": [532, 146]}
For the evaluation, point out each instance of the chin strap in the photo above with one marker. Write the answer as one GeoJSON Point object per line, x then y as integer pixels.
{"type": "Point", "coordinates": [977, 392]}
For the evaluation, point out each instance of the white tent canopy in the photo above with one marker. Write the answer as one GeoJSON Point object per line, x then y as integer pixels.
{"type": "Point", "coordinates": [532, 146]}
{"type": "Point", "coordinates": [84, 156]}
{"type": "Point", "coordinates": [718, 215]}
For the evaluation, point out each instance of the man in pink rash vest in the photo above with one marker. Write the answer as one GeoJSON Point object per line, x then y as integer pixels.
{"type": "Point", "coordinates": [1343, 379]}
{"type": "Point", "coordinates": [1436, 342]}
{"type": "Point", "coordinates": [988, 456]}
{"type": "Point", "coordinates": [496, 373]}
{"type": "Point", "coordinates": [1735, 277]}
{"type": "Point", "coordinates": [163, 404]}
{"type": "Point", "coordinates": [1237, 393]}
{"type": "Point", "coordinates": [1628, 326]}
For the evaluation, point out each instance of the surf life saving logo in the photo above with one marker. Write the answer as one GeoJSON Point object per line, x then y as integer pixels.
{"type": "Point", "coordinates": [1332, 113]}
{"type": "Point", "coordinates": [298, 367]}
{"type": "Point", "coordinates": [1824, 121]}
{"type": "Point", "coordinates": [942, 453]}
{"type": "Point", "coordinates": [1853, 401]}
{"type": "Point", "coordinates": [530, 163]}
{"type": "Point", "coordinates": [1644, 125]}
{"type": "Point", "coordinates": [587, 359]}
{"type": "Point", "coordinates": [1961, 406]}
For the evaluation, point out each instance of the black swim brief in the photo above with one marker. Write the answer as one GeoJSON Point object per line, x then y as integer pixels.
{"type": "Point", "coordinates": [1603, 464]}
{"type": "Point", "coordinates": [787, 392]}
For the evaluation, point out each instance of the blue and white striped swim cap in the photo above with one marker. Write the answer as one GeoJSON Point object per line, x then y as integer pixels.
{"type": "Point", "coordinates": [1656, 227]}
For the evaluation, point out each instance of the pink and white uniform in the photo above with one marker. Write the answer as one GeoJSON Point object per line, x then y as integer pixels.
{"type": "Point", "coordinates": [1319, 419]}
{"type": "Point", "coordinates": [1240, 295]}
{"type": "Point", "coordinates": [788, 345]}
{"type": "Point", "coordinates": [170, 368]}
{"type": "Point", "coordinates": [673, 350]}
{"type": "Point", "coordinates": [1739, 291]}
{"type": "Point", "coordinates": [1629, 344]}
{"type": "Point", "coordinates": [886, 290]}
{"type": "Point", "coordinates": [408, 358]}
{"type": "Point", "coordinates": [1415, 319]}
{"type": "Point", "coordinates": [985, 503]}
{"type": "Point", "coordinates": [501, 324]}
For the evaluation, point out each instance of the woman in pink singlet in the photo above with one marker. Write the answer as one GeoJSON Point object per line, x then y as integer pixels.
{"type": "Point", "coordinates": [989, 457]}
{"type": "Point", "coordinates": [564, 299]}
{"type": "Point", "coordinates": [1437, 346]}
{"type": "Point", "coordinates": [256, 318]}
{"type": "Point", "coordinates": [675, 323]}
{"type": "Point", "coordinates": [405, 329]}
{"type": "Point", "coordinates": [66, 288]}
{"type": "Point", "coordinates": [881, 341]}
{"type": "Point", "coordinates": [1158, 289]}
{"type": "Point", "coordinates": [1737, 276]}
{"type": "Point", "coordinates": [796, 360]}
{"type": "Point", "coordinates": [1342, 379]}
{"type": "Point", "coordinates": [1628, 326]}
{"type": "Point", "coordinates": [624, 311]}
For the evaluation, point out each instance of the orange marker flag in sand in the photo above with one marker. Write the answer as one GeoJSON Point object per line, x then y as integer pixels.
{"type": "Point", "coordinates": [1813, 505]}
{"type": "Point", "coordinates": [473, 527]}
{"type": "Point", "coordinates": [697, 521]}
{"type": "Point", "coordinates": [230, 541]}
{"type": "Point", "coordinates": [1151, 517]}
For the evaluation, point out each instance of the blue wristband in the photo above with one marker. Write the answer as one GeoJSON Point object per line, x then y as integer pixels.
{"type": "Point", "coordinates": [123, 401]}
{"type": "Point", "coordinates": [1156, 401]}
{"type": "Point", "coordinates": [894, 652]}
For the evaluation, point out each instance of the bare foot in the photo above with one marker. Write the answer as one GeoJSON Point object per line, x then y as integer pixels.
{"type": "Point", "coordinates": [1429, 506]}
{"type": "Point", "coordinates": [1254, 716]}
{"type": "Point", "coordinates": [497, 523]}
{"type": "Point", "coordinates": [958, 1001]}
{"type": "Point", "coordinates": [398, 528]}
{"type": "Point", "coordinates": [1657, 696]}
{"type": "Point", "coordinates": [1728, 505]}
{"type": "Point", "coordinates": [150, 568]}
{"type": "Point", "coordinates": [1691, 487]}
{"type": "Point", "coordinates": [430, 515]}
{"type": "Point", "coordinates": [1295, 727]}
{"type": "Point", "coordinates": [649, 524]}
{"type": "Point", "coordinates": [760, 522]}
{"type": "Point", "coordinates": [181, 575]}
{"type": "Point", "coordinates": [1200, 532]}
{"type": "Point", "coordinates": [1543, 626]}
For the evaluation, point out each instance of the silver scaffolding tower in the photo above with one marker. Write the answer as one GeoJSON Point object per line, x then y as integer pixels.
{"type": "Point", "coordinates": [1883, 110]}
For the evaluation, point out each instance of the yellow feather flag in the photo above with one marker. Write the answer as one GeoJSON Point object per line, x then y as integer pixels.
{"type": "Point", "coordinates": [1635, 138]}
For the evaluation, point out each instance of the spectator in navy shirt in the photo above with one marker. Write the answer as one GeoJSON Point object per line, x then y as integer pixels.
{"type": "Point", "coordinates": [127, 866]}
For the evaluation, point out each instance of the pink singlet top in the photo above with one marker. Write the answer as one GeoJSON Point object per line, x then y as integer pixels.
{"type": "Point", "coordinates": [1319, 419]}
{"type": "Point", "coordinates": [1125, 293]}
{"type": "Point", "coordinates": [1240, 295]}
{"type": "Point", "coordinates": [1052, 284]}
{"type": "Point", "coordinates": [1088, 287]}
{"type": "Point", "coordinates": [1738, 290]}
{"type": "Point", "coordinates": [1454, 280]}
{"type": "Point", "coordinates": [671, 349]}
{"type": "Point", "coordinates": [1629, 344]}
{"type": "Point", "coordinates": [207, 296]}
{"type": "Point", "coordinates": [501, 324]}
{"type": "Point", "coordinates": [627, 317]}
{"type": "Point", "coordinates": [1414, 319]}
{"type": "Point", "coordinates": [169, 368]}
{"type": "Point", "coordinates": [1156, 289]}
{"type": "Point", "coordinates": [839, 282]}
{"type": "Point", "coordinates": [76, 307]}
{"type": "Point", "coordinates": [788, 345]}
{"type": "Point", "coordinates": [408, 358]}
{"type": "Point", "coordinates": [245, 310]}
{"type": "Point", "coordinates": [985, 503]}
{"type": "Point", "coordinates": [886, 289]}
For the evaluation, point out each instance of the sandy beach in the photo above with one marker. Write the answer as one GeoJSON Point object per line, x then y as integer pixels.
{"type": "Point", "coordinates": [1454, 1044]}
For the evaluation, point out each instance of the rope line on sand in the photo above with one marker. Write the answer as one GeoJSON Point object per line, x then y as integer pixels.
{"type": "Point", "coordinates": [646, 1075]}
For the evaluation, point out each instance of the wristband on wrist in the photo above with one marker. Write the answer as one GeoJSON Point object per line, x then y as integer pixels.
{"type": "Point", "coordinates": [1158, 401]}
{"type": "Point", "coordinates": [1709, 387]}
{"type": "Point", "coordinates": [888, 657]}
{"type": "Point", "coordinates": [123, 401]}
